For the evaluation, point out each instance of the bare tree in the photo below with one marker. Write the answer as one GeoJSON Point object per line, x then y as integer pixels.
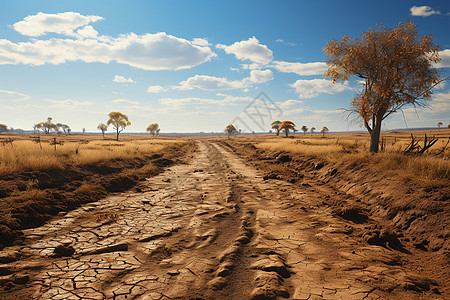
{"type": "Point", "coordinates": [102, 127]}
{"type": "Point", "coordinates": [396, 66]}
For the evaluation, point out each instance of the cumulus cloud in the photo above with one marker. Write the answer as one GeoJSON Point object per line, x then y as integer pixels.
{"type": "Point", "coordinates": [156, 89]}
{"type": "Point", "coordinates": [423, 11]}
{"type": "Point", "coordinates": [62, 23]}
{"type": "Point", "coordinates": [303, 69]}
{"type": "Point", "coordinates": [200, 42]}
{"type": "Point", "coordinates": [87, 32]}
{"type": "Point", "coordinates": [11, 96]}
{"type": "Point", "coordinates": [211, 83]}
{"type": "Point", "coordinates": [289, 103]}
{"type": "Point", "coordinates": [180, 103]}
{"type": "Point", "coordinates": [119, 101]}
{"type": "Point", "coordinates": [445, 59]}
{"type": "Point", "coordinates": [260, 76]}
{"type": "Point", "coordinates": [158, 51]}
{"type": "Point", "coordinates": [312, 88]}
{"type": "Point", "coordinates": [250, 49]}
{"type": "Point", "coordinates": [122, 79]}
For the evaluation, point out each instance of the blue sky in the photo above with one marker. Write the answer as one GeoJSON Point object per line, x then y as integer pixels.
{"type": "Point", "coordinates": [194, 65]}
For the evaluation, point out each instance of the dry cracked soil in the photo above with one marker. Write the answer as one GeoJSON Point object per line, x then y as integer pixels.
{"type": "Point", "coordinates": [209, 229]}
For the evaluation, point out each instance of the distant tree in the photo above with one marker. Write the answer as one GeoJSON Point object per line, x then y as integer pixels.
{"type": "Point", "coordinates": [396, 66]}
{"type": "Point", "coordinates": [440, 124]}
{"type": "Point", "coordinates": [276, 125]}
{"type": "Point", "coordinates": [286, 126]}
{"type": "Point", "coordinates": [230, 129]}
{"type": "Point", "coordinates": [448, 126]}
{"type": "Point", "coordinates": [47, 126]}
{"type": "Point", "coordinates": [102, 127]}
{"type": "Point", "coordinates": [304, 129]}
{"type": "Point", "coordinates": [324, 129]}
{"type": "Point", "coordinates": [119, 121]}
{"type": "Point", "coordinates": [312, 129]}
{"type": "Point", "coordinates": [62, 126]}
{"type": "Point", "coordinates": [3, 128]}
{"type": "Point", "coordinates": [153, 129]}
{"type": "Point", "coordinates": [84, 130]}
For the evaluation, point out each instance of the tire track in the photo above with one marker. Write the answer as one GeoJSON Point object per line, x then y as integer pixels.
{"type": "Point", "coordinates": [210, 229]}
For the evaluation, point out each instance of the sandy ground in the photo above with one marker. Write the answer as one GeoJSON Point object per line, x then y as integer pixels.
{"type": "Point", "coordinates": [209, 229]}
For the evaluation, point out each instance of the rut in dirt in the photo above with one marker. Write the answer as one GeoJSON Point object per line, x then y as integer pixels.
{"type": "Point", "coordinates": [210, 229]}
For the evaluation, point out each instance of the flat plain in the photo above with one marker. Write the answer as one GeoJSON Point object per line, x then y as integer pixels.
{"type": "Point", "coordinates": [214, 217]}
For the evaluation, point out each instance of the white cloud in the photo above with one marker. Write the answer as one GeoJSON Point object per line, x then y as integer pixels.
{"type": "Point", "coordinates": [289, 103]}
{"type": "Point", "coordinates": [68, 103]}
{"type": "Point", "coordinates": [122, 79]}
{"type": "Point", "coordinates": [118, 101]}
{"type": "Point", "coordinates": [423, 11]}
{"type": "Point", "coordinates": [87, 32]}
{"type": "Point", "coordinates": [312, 88]}
{"type": "Point", "coordinates": [201, 42]}
{"type": "Point", "coordinates": [260, 76]}
{"type": "Point", "coordinates": [156, 89]}
{"type": "Point", "coordinates": [303, 69]}
{"type": "Point", "coordinates": [211, 83]}
{"type": "Point", "coordinates": [181, 103]}
{"type": "Point", "coordinates": [286, 43]}
{"type": "Point", "coordinates": [62, 23]}
{"type": "Point", "coordinates": [158, 51]}
{"type": "Point", "coordinates": [250, 66]}
{"type": "Point", "coordinates": [445, 59]}
{"type": "Point", "coordinates": [11, 96]}
{"type": "Point", "coordinates": [249, 50]}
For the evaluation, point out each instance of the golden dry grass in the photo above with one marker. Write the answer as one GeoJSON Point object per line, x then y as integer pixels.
{"type": "Point", "coordinates": [27, 155]}
{"type": "Point", "coordinates": [431, 168]}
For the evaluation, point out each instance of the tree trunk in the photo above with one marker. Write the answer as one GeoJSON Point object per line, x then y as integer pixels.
{"type": "Point", "coordinates": [117, 136]}
{"type": "Point", "coordinates": [286, 131]}
{"type": "Point", "coordinates": [278, 132]}
{"type": "Point", "coordinates": [375, 138]}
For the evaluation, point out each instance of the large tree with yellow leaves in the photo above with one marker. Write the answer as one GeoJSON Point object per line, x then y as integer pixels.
{"type": "Point", "coordinates": [396, 66]}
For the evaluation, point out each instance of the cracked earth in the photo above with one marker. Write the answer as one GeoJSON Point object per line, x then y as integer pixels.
{"type": "Point", "coordinates": [210, 229]}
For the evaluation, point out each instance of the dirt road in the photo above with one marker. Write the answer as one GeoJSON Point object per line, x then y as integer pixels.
{"type": "Point", "coordinates": [210, 229]}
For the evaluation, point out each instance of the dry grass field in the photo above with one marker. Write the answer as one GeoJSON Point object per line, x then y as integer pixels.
{"type": "Point", "coordinates": [33, 154]}
{"type": "Point", "coordinates": [430, 168]}
{"type": "Point", "coordinates": [240, 217]}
